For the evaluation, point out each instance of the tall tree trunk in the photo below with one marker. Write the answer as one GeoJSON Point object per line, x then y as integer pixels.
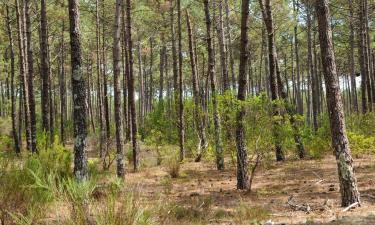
{"type": "Point", "coordinates": [211, 75]}
{"type": "Point", "coordinates": [99, 85]}
{"type": "Point", "coordinates": [340, 143]}
{"type": "Point", "coordinates": [222, 48]}
{"type": "Point", "coordinates": [44, 67]}
{"type": "Point", "coordinates": [180, 85]}
{"type": "Point", "coordinates": [30, 63]}
{"type": "Point", "coordinates": [198, 111]}
{"type": "Point", "coordinates": [23, 73]}
{"type": "Point", "coordinates": [314, 88]}
{"type": "Point", "coordinates": [242, 161]}
{"type": "Point", "coordinates": [229, 44]}
{"type": "Point", "coordinates": [117, 90]}
{"type": "Point", "coordinates": [296, 52]}
{"type": "Point", "coordinates": [353, 84]}
{"type": "Point", "coordinates": [131, 87]}
{"type": "Point", "coordinates": [79, 95]}
{"type": "Point", "coordinates": [362, 57]}
{"type": "Point", "coordinates": [272, 60]}
{"type": "Point", "coordinates": [17, 147]}
{"type": "Point", "coordinates": [62, 85]}
{"type": "Point", "coordinates": [163, 50]}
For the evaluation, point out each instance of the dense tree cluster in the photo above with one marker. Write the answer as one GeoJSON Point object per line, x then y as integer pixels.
{"type": "Point", "coordinates": [160, 69]}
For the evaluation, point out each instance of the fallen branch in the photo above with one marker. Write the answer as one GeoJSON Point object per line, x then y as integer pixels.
{"type": "Point", "coordinates": [368, 196]}
{"type": "Point", "coordinates": [350, 206]}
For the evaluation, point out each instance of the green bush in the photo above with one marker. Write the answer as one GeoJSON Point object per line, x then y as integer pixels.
{"type": "Point", "coordinates": [360, 144]}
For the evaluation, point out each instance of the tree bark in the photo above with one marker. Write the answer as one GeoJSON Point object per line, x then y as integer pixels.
{"type": "Point", "coordinates": [211, 75]}
{"type": "Point", "coordinates": [222, 48]}
{"type": "Point", "coordinates": [79, 95]}
{"type": "Point", "coordinates": [23, 74]}
{"type": "Point", "coordinates": [30, 80]}
{"type": "Point", "coordinates": [242, 161]}
{"type": "Point", "coordinates": [352, 60]}
{"type": "Point", "coordinates": [16, 143]}
{"type": "Point", "coordinates": [62, 85]}
{"type": "Point", "coordinates": [44, 67]}
{"type": "Point", "coordinates": [180, 85]}
{"type": "Point", "coordinates": [131, 87]}
{"type": "Point", "coordinates": [272, 62]}
{"type": "Point", "coordinates": [348, 183]}
{"type": "Point", "coordinates": [198, 111]}
{"type": "Point", "coordinates": [117, 90]}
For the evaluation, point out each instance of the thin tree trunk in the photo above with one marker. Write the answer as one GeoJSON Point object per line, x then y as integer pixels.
{"type": "Point", "coordinates": [17, 147]}
{"type": "Point", "coordinates": [180, 85]}
{"type": "Point", "coordinates": [23, 73]}
{"type": "Point", "coordinates": [44, 67]}
{"type": "Point", "coordinates": [198, 111]}
{"type": "Point", "coordinates": [222, 48]}
{"type": "Point", "coordinates": [131, 87]}
{"type": "Point", "coordinates": [62, 88]}
{"type": "Point", "coordinates": [272, 57]}
{"type": "Point", "coordinates": [352, 60]}
{"type": "Point", "coordinates": [211, 75]}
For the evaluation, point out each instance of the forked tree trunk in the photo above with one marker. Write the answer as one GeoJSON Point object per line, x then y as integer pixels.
{"type": "Point", "coordinates": [340, 143]}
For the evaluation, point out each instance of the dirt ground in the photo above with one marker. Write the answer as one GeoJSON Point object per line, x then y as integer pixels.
{"type": "Point", "coordinates": [310, 183]}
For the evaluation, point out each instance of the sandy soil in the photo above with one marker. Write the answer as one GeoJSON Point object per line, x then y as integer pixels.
{"type": "Point", "coordinates": [312, 183]}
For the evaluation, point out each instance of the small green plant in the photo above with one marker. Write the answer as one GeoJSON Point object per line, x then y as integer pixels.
{"type": "Point", "coordinates": [124, 209]}
{"type": "Point", "coordinates": [173, 166]}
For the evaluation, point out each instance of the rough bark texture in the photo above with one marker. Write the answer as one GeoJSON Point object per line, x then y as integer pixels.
{"type": "Point", "coordinates": [30, 77]}
{"type": "Point", "coordinates": [211, 75]}
{"type": "Point", "coordinates": [79, 94]}
{"type": "Point", "coordinates": [242, 161]}
{"type": "Point", "coordinates": [117, 90]}
{"type": "Point", "coordinates": [340, 143]}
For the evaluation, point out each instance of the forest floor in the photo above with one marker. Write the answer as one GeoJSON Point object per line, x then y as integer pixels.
{"type": "Point", "coordinates": [201, 193]}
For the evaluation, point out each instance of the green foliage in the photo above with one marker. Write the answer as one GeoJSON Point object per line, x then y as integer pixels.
{"type": "Point", "coordinates": [30, 183]}
{"type": "Point", "coordinates": [172, 163]}
{"type": "Point", "coordinates": [361, 144]}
